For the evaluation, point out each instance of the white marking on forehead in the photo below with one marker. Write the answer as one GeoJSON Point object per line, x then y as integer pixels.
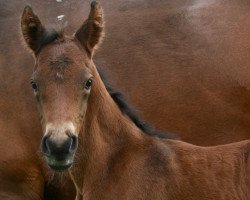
{"type": "Point", "coordinates": [59, 1]}
{"type": "Point", "coordinates": [59, 75]}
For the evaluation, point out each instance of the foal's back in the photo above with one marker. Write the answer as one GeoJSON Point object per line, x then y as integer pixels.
{"type": "Point", "coordinates": [220, 172]}
{"type": "Point", "coordinates": [175, 170]}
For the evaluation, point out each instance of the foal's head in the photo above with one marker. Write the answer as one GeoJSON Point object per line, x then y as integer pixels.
{"type": "Point", "coordinates": [62, 81]}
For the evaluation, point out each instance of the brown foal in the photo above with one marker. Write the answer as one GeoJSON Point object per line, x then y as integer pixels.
{"type": "Point", "coordinates": [107, 155]}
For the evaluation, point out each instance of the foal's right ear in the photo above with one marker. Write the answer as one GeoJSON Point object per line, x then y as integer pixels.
{"type": "Point", "coordinates": [91, 32]}
{"type": "Point", "coordinates": [32, 29]}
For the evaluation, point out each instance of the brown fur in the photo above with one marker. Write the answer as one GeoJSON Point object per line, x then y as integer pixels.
{"type": "Point", "coordinates": [115, 160]}
{"type": "Point", "coordinates": [193, 58]}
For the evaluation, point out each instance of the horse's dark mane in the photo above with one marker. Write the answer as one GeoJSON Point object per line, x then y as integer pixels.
{"type": "Point", "coordinates": [129, 110]}
{"type": "Point", "coordinates": [116, 95]}
{"type": "Point", "coordinates": [49, 36]}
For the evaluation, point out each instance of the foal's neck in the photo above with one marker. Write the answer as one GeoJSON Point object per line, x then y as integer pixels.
{"type": "Point", "coordinates": [105, 132]}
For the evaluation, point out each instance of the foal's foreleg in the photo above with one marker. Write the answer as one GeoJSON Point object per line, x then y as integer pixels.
{"type": "Point", "coordinates": [78, 196]}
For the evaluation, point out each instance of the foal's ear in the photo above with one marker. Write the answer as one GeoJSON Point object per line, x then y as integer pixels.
{"type": "Point", "coordinates": [32, 29]}
{"type": "Point", "coordinates": [91, 32]}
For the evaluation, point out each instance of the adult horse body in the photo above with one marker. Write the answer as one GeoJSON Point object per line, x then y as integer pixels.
{"type": "Point", "coordinates": [115, 158]}
{"type": "Point", "coordinates": [186, 66]}
{"type": "Point", "coordinates": [203, 99]}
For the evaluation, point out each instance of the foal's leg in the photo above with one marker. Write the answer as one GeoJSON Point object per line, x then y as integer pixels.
{"type": "Point", "coordinates": [78, 196]}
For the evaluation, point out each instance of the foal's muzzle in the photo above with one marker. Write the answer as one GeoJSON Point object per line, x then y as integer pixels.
{"type": "Point", "coordinates": [59, 155]}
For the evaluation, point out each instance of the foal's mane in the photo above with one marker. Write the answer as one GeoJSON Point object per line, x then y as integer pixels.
{"type": "Point", "coordinates": [116, 95]}
{"type": "Point", "coordinates": [130, 111]}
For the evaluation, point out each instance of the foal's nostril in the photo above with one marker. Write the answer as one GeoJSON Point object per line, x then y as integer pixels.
{"type": "Point", "coordinates": [44, 145]}
{"type": "Point", "coordinates": [50, 147]}
{"type": "Point", "coordinates": [73, 143]}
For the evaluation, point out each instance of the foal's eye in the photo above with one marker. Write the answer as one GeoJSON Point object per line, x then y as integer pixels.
{"type": "Point", "coordinates": [34, 86]}
{"type": "Point", "coordinates": [88, 84]}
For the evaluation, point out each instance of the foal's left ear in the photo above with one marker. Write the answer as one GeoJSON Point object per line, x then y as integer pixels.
{"type": "Point", "coordinates": [32, 29]}
{"type": "Point", "coordinates": [91, 32]}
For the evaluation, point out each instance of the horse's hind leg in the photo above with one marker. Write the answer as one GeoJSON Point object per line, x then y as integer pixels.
{"type": "Point", "coordinates": [21, 184]}
{"type": "Point", "coordinates": [12, 190]}
{"type": "Point", "coordinates": [15, 197]}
